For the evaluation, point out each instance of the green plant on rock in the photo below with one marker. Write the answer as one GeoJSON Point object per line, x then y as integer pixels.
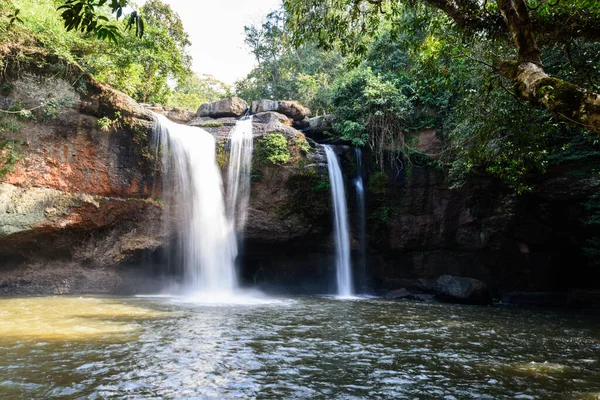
{"type": "Point", "coordinates": [212, 124]}
{"type": "Point", "coordinates": [104, 124]}
{"type": "Point", "coordinates": [273, 149]}
{"type": "Point", "coordinates": [302, 144]}
{"type": "Point", "coordinates": [378, 183]}
{"type": "Point", "coordinates": [310, 197]}
{"type": "Point", "coordinates": [222, 155]}
{"type": "Point", "coordinates": [10, 146]}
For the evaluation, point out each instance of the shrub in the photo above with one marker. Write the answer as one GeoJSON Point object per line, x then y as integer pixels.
{"type": "Point", "coordinates": [273, 149]}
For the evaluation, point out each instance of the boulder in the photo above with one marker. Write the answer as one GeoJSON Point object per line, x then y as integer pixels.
{"type": "Point", "coordinates": [178, 115]}
{"type": "Point", "coordinates": [462, 290]}
{"type": "Point", "coordinates": [272, 116]}
{"type": "Point", "coordinates": [260, 106]}
{"type": "Point", "coordinates": [291, 109]}
{"type": "Point", "coordinates": [317, 126]}
{"type": "Point", "coordinates": [230, 107]}
{"type": "Point", "coordinates": [302, 124]}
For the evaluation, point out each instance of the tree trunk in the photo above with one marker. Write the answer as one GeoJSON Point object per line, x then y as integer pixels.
{"type": "Point", "coordinates": [568, 101]}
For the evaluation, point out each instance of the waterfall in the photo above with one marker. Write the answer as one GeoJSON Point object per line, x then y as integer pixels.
{"type": "Point", "coordinates": [342, 237]}
{"type": "Point", "coordinates": [361, 219]}
{"type": "Point", "coordinates": [238, 175]}
{"type": "Point", "coordinates": [207, 245]}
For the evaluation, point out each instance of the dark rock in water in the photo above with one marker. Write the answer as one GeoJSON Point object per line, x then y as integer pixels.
{"type": "Point", "coordinates": [292, 109]}
{"type": "Point", "coordinates": [462, 290]}
{"type": "Point", "coordinates": [231, 107]}
{"type": "Point", "coordinates": [398, 294]}
{"type": "Point", "coordinates": [428, 298]}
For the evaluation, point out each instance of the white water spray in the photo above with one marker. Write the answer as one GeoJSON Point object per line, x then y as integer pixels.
{"type": "Point", "coordinates": [238, 175]}
{"type": "Point", "coordinates": [342, 237]}
{"type": "Point", "coordinates": [207, 246]}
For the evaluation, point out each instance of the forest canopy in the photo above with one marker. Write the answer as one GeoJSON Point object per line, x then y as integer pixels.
{"type": "Point", "coordinates": [513, 33]}
{"type": "Point", "coordinates": [392, 69]}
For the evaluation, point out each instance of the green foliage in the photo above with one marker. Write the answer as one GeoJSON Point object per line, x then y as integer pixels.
{"type": "Point", "coordinates": [192, 90]}
{"type": "Point", "coordinates": [371, 111]}
{"type": "Point", "coordinates": [272, 149]}
{"type": "Point", "coordinates": [212, 124]}
{"type": "Point", "coordinates": [10, 145]}
{"type": "Point", "coordinates": [302, 74]}
{"type": "Point", "coordinates": [152, 69]}
{"type": "Point", "coordinates": [310, 197]}
{"type": "Point", "coordinates": [302, 144]}
{"type": "Point", "coordinates": [87, 17]}
{"type": "Point", "coordinates": [378, 183]}
{"type": "Point", "coordinates": [104, 124]}
{"type": "Point", "coordinates": [446, 73]}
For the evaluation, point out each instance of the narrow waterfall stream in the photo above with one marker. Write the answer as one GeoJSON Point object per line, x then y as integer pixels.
{"type": "Point", "coordinates": [207, 245]}
{"type": "Point", "coordinates": [342, 235]}
{"type": "Point", "coordinates": [238, 175]}
{"type": "Point", "coordinates": [360, 207]}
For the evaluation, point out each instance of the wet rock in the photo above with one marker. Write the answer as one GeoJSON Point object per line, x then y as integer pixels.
{"type": "Point", "coordinates": [428, 298]}
{"type": "Point", "coordinates": [398, 294]}
{"type": "Point", "coordinates": [462, 290]}
{"type": "Point", "coordinates": [230, 107]}
{"type": "Point", "coordinates": [291, 109]}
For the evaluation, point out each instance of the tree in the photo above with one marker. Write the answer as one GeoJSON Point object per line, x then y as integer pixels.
{"type": "Point", "coordinates": [282, 72]}
{"type": "Point", "coordinates": [516, 23]}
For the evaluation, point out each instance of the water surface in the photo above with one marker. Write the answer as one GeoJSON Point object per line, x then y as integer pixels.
{"type": "Point", "coordinates": [300, 348]}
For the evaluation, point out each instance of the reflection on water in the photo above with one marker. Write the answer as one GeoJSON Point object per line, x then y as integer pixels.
{"type": "Point", "coordinates": [307, 347]}
{"type": "Point", "coordinates": [69, 318]}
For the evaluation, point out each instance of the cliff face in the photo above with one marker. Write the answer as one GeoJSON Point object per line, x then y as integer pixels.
{"type": "Point", "coordinates": [81, 206]}
{"type": "Point", "coordinates": [419, 228]}
{"type": "Point", "coordinates": [80, 185]}
{"type": "Point", "coordinates": [76, 181]}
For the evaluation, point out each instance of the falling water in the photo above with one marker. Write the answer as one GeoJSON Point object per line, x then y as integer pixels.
{"type": "Point", "coordinates": [360, 200]}
{"type": "Point", "coordinates": [207, 246]}
{"type": "Point", "coordinates": [342, 237]}
{"type": "Point", "coordinates": [238, 175]}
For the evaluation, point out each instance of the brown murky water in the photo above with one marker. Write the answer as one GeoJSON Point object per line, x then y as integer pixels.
{"type": "Point", "coordinates": [297, 348]}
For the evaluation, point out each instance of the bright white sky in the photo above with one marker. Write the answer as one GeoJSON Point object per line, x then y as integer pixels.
{"type": "Point", "coordinates": [216, 29]}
